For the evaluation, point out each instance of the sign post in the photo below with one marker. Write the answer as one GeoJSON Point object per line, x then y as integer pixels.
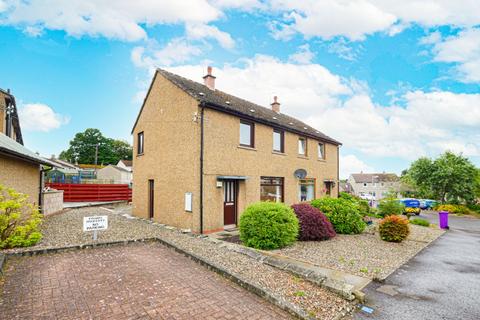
{"type": "Point", "coordinates": [95, 223]}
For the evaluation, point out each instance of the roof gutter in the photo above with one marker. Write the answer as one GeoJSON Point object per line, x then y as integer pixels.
{"type": "Point", "coordinates": [17, 155]}
{"type": "Point", "coordinates": [266, 122]}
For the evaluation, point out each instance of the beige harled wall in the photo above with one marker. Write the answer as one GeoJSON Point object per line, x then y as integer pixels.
{"type": "Point", "coordinates": [2, 113]}
{"type": "Point", "coordinates": [172, 153]}
{"type": "Point", "coordinates": [224, 156]}
{"type": "Point", "coordinates": [22, 176]}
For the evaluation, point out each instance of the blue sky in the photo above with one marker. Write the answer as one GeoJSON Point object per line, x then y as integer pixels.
{"type": "Point", "coordinates": [388, 80]}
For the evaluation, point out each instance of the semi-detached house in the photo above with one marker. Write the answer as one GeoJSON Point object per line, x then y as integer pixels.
{"type": "Point", "coordinates": [202, 155]}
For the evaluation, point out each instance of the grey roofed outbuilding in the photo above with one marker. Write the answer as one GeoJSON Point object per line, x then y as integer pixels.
{"type": "Point", "coordinates": [14, 149]}
{"type": "Point", "coordinates": [224, 102]}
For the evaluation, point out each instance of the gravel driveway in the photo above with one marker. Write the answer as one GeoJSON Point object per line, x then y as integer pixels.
{"type": "Point", "coordinates": [364, 254]}
{"type": "Point", "coordinates": [66, 229]}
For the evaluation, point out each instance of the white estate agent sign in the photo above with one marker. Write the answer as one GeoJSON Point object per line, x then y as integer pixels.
{"type": "Point", "coordinates": [95, 223]}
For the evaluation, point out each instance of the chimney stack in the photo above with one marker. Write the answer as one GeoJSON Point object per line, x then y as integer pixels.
{"type": "Point", "coordinates": [209, 79]}
{"type": "Point", "coordinates": [275, 105]}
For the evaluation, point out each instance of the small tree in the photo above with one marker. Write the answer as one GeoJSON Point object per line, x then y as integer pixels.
{"type": "Point", "coordinates": [19, 220]}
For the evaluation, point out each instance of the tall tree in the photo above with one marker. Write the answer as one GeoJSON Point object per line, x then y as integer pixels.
{"type": "Point", "coordinates": [450, 177]}
{"type": "Point", "coordinates": [83, 148]}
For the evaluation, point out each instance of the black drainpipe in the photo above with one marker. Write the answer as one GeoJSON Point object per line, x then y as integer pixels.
{"type": "Point", "coordinates": [202, 109]}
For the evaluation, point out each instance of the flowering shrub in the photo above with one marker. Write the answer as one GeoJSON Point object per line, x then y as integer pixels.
{"type": "Point", "coordinates": [268, 225]}
{"type": "Point", "coordinates": [314, 225]}
{"type": "Point", "coordinates": [412, 210]}
{"type": "Point", "coordinates": [454, 208]}
{"type": "Point", "coordinates": [343, 214]}
{"type": "Point", "coordinates": [394, 228]}
{"type": "Point", "coordinates": [19, 220]}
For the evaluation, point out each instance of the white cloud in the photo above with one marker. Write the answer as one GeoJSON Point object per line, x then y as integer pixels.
{"type": "Point", "coordinates": [355, 19]}
{"type": "Point", "coordinates": [176, 51]}
{"type": "Point", "coordinates": [40, 117]}
{"type": "Point", "coordinates": [303, 55]}
{"type": "Point", "coordinates": [351, 164]}
{"type": "Point", "coordinates": [462, 50]}
{"type": "Point", "coordinates": [120, 19]}
{"type": "Point", "coordinates": [342, 49]}
{"type": "Point", "coordinates": [301, 88]}
{"type": "Point", "coordinates": [3, 6]}
{"type": "Point", "coordinates": [202, 31]}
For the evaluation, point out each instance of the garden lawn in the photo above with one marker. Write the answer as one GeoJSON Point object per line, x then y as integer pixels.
{"type": "Point", "coordinates": [364, 254]}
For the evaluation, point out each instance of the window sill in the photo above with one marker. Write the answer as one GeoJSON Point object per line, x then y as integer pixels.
{"type": "Point", "coordinates": [279, 153]}
{"type": "Point", "coordinates": [302, 157]}
{"type": "Point", "coordinates": [322, 160]}
{"type": "Point", "coordinates": [247, 148]}
{"type": "Point", "coordinates": [140, 154]}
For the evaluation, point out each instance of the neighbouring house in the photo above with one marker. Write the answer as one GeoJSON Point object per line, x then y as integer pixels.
{"type": "Point", "coordinates": [202, 155]}
{"type": "Point", "coordinates": [344, 186]}
{"type": "Point", "coordinates": [114, 174]}
{"type": "Point", "coordinates": [65, 172]}
{"type": "Point", "coordinates": [9, 122]}
{"type": "Point", "coordinates": [21, 169]}
{"type": "Point", "coordinates": [376, 184]}
{"type": "Point", "coordinates": [125, 164]}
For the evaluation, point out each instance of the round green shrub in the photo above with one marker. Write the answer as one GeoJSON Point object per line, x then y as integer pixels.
{"type": "Point", "coordinates": [362, 204]}
{"type": "Point", "coordinates": [388, 206]}
{"type": "Point", "coordinates": [394, 228]}
{"type": "Point", "coordinates": [268, 225]}
{"type": "Point", "coordinates": [343, 214]}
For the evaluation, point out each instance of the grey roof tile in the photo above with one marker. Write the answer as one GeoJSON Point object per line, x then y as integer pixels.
{"type": "Point", "coordinates": [218, 99]}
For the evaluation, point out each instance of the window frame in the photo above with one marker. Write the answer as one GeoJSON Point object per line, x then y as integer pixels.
{"type": "Point", "coordinates": [300, 138]}
{"type": "Point", "coordinates": [252, 133]}
{"type": "Point", "coordinates": [282, 140]}
{"type": "Point", "coordinates": [324, 156]}
{"type": "Point", "coordinates": [140, 143]}
{"type": "Point", "coordinates": [312, 181]}
{"type": "Point", "coordinates": [281, 184]}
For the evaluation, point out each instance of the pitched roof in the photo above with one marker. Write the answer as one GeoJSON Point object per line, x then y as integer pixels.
{"type": "Point", "coordinates": [374, 177]}
{"type": "Point", "coordinates": [12, 148]}
{"type": "Point", "coordinates": [221, 101]}
{"type": "Point", "coordinates": [127, 163]}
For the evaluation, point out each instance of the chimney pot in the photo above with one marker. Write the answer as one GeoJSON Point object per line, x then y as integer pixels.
{"type": "Point", "coordinates": [275, 105]}
{"type": "Point", "coordinates": [209, 79]}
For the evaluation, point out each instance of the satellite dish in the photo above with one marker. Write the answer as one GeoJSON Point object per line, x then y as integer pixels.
{"type": "Point", "coordinates": [300, 173]}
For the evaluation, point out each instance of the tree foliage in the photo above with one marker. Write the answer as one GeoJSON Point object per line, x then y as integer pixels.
{"type": "Point", "coordinates": [449, 178]}
{"type": "Point", "coordinates": [82, 148]}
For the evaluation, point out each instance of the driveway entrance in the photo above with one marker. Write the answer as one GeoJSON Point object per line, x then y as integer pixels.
{"type": "Point", "coordinates": [442, 282]}
{"type": "Point", "coordinates": [139, 281]}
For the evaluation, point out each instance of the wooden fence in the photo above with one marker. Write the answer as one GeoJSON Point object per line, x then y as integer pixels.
{"type": "Point", "coordinates": [93, 192]}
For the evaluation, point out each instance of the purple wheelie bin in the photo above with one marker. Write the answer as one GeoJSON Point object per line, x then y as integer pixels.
{"type": "Point", "coordinates": [443, 218]}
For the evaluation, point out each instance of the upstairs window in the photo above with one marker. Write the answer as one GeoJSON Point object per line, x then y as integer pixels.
{"type": "Point", "coordinates": [247, 134]}
{"type": "Point", "coordinates": [278, 140]}
{"type": "Point", "coordinates": [302, 146]}
{"type": "Point", "coordinates": [321, 150]}
{"type": "Point", "coordinates": [140, 143]}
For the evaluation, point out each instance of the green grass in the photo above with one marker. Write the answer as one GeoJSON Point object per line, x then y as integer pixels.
{"type": "Point", "coordinates": [420, 222]}
{"type": "Point", "coordinates": [299, 294]}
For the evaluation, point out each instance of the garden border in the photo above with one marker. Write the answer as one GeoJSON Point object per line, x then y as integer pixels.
{"type": "Point", "coordinates": [259, 291]}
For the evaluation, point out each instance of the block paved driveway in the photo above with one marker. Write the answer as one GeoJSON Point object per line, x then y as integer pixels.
{"type": "Point", "coordinates": [140, 281]}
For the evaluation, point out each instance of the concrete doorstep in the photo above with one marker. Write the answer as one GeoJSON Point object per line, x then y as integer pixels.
{"type": "Point", "coordinates": [347, 285]}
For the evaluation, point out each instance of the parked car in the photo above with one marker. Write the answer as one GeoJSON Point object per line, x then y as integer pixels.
{"type": "Point", "coordinates": [411, 206]}
{"type": "Point", "coordinates": [366, 196]}
{"type": "Point", "coordinates": [427, 204]}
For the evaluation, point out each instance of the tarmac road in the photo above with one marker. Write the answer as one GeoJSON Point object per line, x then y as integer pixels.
{"type": "Point", "coordinates": [441, 282]}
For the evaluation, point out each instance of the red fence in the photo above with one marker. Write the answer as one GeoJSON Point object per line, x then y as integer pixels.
{"type": "Point", "coordinates": [93, 192]}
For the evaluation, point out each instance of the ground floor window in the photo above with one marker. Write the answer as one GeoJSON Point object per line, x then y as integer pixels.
{"type": "Point", "coordinates": [306, 189]}
{"type": "Point", "coordinates": [271, 189]}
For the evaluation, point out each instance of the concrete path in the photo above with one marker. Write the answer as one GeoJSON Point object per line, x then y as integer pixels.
{"type": "Point", "coordinates": [441, 282]}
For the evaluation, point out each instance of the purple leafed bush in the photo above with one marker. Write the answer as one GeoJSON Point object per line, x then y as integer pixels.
{"type": "Point", "coordinates": [314, 225]}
